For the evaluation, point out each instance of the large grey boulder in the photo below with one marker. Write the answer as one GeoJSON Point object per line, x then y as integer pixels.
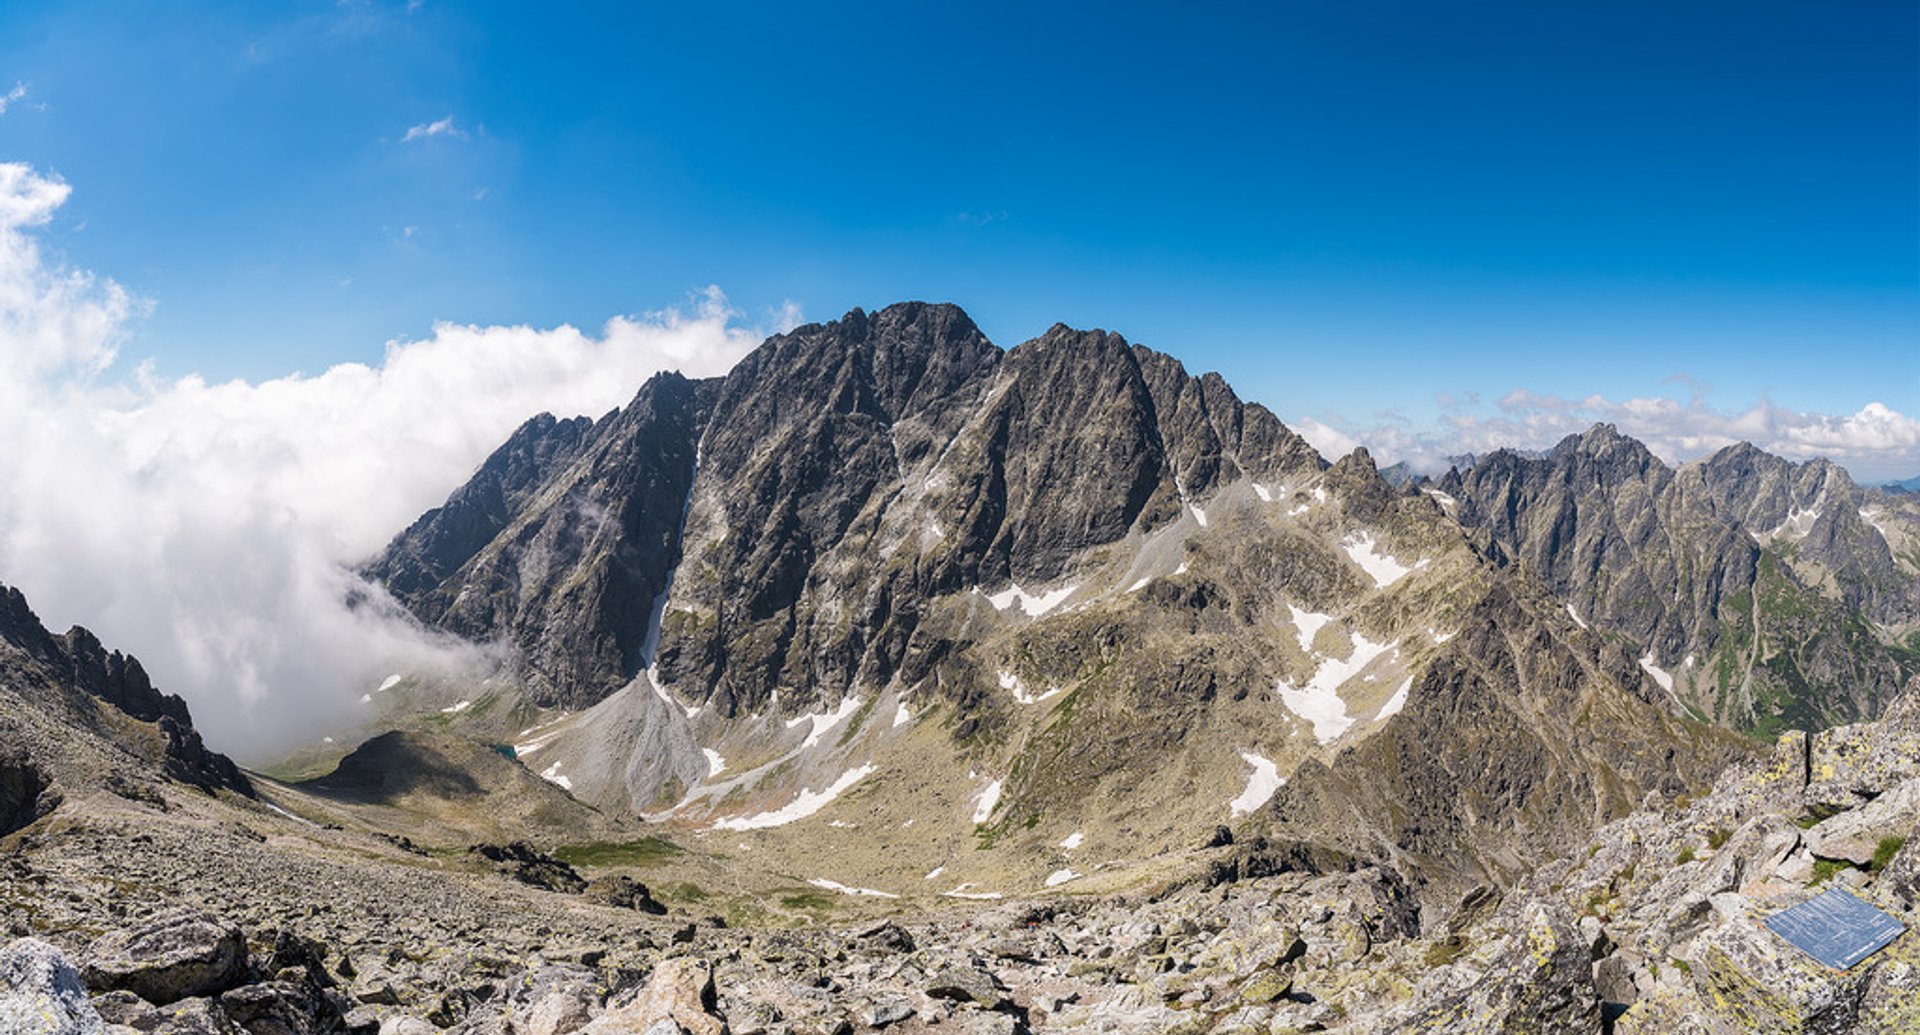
{"type": "Point", "coordinates": [1856, 834]}
{"type": "Point", "coordinates": [1542, 981]}
{"type": "Point", "coordinates": [40, 994]}
{"type": "Point", "coordinates": [169, 958]}
{"type": "Point", "coordinates": [679, 996]}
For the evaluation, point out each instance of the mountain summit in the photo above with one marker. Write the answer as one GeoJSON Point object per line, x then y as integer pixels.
{"type": "Point", "coordinates": [887, 575]}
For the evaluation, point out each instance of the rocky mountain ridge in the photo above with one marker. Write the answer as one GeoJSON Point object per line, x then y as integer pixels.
{"type": "Point", "coordinates": [1768, 594]}
{"type": "Point", "coordinates": [952, 597]}
{"type": "Point", "coordinates": [76, 713]}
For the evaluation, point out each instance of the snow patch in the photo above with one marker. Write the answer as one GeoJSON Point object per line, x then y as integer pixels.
{"type": "Point", "coordinates": [1142, 584]}
{"type": "Point", "coordinates": [289, 815]}
{"type": "Point", "coordinates": [1800, 522]}
{"type": "Point", "coordinates": [1059, 877]}
{"type": "Point", "coordinates": [1446, 500]}
{"type": "Point", "coordinates": [978, 896]}
{"type": "Point", "coordinates": [1382, 567]}
{"type": "Point", "coordinates": [824, 721]}
{"type": "Point", "coordinates": [822, 882]}
{"type": "Point", "coordinates": [1396, 702]}
{"type": "Point", "coordinates": [1872, 515]}
{"type": "Point", "coordinates": [1297, 511]}
{"type": "Point", "coordinates": [1033, 604]}
{"type": "Point", "coordinates": [1440, 637]}
{"type": "Point", "coordinates": [1575, 615]}
{"type": "Point", "coordinates": [456, 708]}
{"type": "Point", "coordinates": [1198, 515]}
{"type": "Point", "coordinates": [1660, 675]}
{"type": "Point", "coordinates": [1266, 779]}
{"type": "Point", "coordinates": [805, 804]}
{"type": "Point", "coordinates": [1013, 683]}
{"type": "Point", "coordinates": [660, 691]}
{"type": "Point", "coordinates": [989, 800]}
{"type": "Point", "coordinates": [1319, 701]}
{"type": "Point", "coordinates": [388, 683]}
{"type": "Point", "coordinates": [901, 716]}
{"type": "Point", "coordinates": [366, 698]}
{"type": "Point", "coordinates": [552, 775]}
{"type": "Point", "coordinates": [1319, 495]}
{"type": "Point", "coordinates": [1306, 624]}
{"type": "Point", "coordinates": [1073, 840]}
{"type": "Point", "coordinates": [715, 764]}
{"type": "Point", "coordinates": [1261, 491]}
{"type": "Point", "coordinates": [935, 872]}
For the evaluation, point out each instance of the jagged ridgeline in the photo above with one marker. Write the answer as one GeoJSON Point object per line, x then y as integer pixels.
{"type": "Point", "coordinates": [1034, 611]}
{"type": "Point", "coordinates": [1769, 595]}
{"type": "Point", "coordinates": [76, 717]}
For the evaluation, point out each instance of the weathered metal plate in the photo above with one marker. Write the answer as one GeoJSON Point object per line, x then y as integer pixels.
{"type": "Point", "coordinates": [1835, 928]}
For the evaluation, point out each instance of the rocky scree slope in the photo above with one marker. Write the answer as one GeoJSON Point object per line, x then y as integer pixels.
{"type": "Point", "coordinates": [1769, 595]}
{"type": "Point", "coordinates": [1654, 925]}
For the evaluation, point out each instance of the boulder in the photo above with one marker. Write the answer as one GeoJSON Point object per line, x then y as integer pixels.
{"type": "Point", "coordinates": [625, 893]}
{"type": "Point", "coordinates": [169, 958]}
{"type": "Point", "coordinates": [968, 985]}
{"type": "Point", "coordinates": [529, 865]}
{"type": "Point", "coordinates": [40, 993]}
{"type": "Point", "coordinates": [1856, 834]}
{"type": "Point", "coordinates": [553, 1000]}
{"type": "Point", "coordinates": [886, 937]}
{"type": "Point", "coordinates": [1542, 980]}
{"type": "Point", "coordinates": [1758, 982]}
{"type": "Point", "coordinates": [678, 996]}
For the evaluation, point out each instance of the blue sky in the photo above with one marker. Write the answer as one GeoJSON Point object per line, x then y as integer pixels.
{"type": "Point", "coordinates": [1382, 219]}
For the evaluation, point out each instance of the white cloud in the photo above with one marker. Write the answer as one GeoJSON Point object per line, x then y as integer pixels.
{"type": "Point", "coordinates": [436, 128]}
{"type": "Point", "coordinates": [207, 527]}
{"type": "Point", "coordinates": [1325, 440]}
{"type": "Point", "coordinates": [1875, 443]}
{"type": "Point", "coordinates": [12, 97]}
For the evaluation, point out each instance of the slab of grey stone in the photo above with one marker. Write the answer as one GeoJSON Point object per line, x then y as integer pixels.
{"type": "Point", "coordinates": [1835, 928]}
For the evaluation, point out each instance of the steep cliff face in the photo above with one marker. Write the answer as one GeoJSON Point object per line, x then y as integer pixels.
{"type": "Point", "coordinates": [59, 688]}
{"type": "Point", "coordinates": [1768, 594]}
{"type": "Point", "coordinates": [562, 542]}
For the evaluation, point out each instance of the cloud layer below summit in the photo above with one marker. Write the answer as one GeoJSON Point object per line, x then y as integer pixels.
{"type": "Point", "coordinates": [209, 528]}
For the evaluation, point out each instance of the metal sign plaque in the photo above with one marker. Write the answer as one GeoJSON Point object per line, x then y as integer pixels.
{"type": "Point", "coordinates": [1835, 928]}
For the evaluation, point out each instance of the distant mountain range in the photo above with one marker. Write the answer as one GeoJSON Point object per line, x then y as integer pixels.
{"type": "Point", "coordinates": [1769, 595]}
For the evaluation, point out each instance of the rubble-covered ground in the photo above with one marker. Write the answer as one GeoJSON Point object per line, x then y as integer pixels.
{"type": "Point", "coordinates": [208, 918]}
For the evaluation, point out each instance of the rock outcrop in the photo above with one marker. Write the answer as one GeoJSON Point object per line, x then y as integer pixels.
{"type": "Point", "coordinates": [62, 687]}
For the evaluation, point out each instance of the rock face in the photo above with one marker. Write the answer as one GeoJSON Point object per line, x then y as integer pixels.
{"type": "Point", "coordinates": [562, 542]}
{"type": "Point", "coordinates": [1763, 590]}
{"type": "Point", "coordinates": [40, 994]}
{"type": "Point", "coordinates": [68, 686]}
{"type": "Point", "coordinates": [848, 473]}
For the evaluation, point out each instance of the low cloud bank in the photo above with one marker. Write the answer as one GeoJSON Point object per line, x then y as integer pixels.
{"type": "Point", "coordinates": [209, 529]}
{"type": "Point", "coordinates": [1875, 444]}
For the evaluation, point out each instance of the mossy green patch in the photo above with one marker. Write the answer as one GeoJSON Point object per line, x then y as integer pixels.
{"type": "Point", "coordinates": [648, 851]}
